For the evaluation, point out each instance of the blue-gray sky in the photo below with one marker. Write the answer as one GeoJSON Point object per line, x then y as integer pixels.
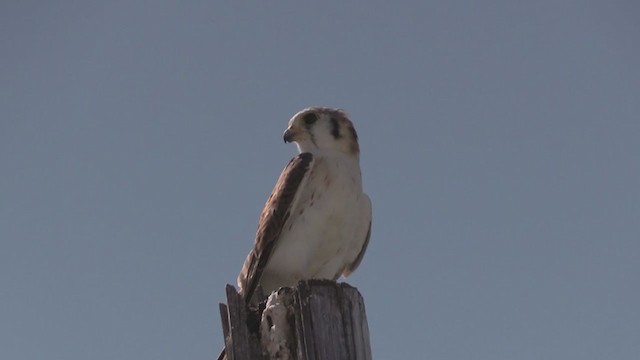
{"type": "Point", "coordinates": [500, 147]}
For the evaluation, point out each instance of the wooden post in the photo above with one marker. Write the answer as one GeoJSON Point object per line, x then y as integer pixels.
{"type": "Point", "coordinates": [316, 320]}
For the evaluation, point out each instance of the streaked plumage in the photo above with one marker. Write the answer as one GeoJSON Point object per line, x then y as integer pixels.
{"type": "Point", "coordinates": [317, 222]}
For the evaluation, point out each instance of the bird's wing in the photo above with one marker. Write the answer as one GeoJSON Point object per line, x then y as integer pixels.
{"type": "Point", "coordinates": [361, 240]}
{"type": "Point", "coordinates": [272, 219]}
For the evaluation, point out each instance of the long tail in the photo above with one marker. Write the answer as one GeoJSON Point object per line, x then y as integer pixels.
{"type": "Point", "coordinates": [223, 354]}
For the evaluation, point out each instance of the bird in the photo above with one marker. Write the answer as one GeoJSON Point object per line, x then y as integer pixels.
{"type": "Point", "coordinates": [316, 224]}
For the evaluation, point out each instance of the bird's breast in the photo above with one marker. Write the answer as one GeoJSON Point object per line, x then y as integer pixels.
{"type": "Point", "coordinates": [319, 229]}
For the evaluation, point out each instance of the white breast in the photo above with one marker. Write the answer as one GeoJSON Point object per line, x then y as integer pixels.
{"type": "Point", "coordinates": [320, 231]}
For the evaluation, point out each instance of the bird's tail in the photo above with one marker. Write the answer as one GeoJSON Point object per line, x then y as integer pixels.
{"type": "Point", "coordinates": [223, 355]}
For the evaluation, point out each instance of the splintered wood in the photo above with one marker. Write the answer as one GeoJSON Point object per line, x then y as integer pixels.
{"type": "Point", "coordinates": [317, 320]}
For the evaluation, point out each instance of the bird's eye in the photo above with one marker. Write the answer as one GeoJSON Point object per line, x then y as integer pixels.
{"type": "Point", "coordinates": [310, 118]}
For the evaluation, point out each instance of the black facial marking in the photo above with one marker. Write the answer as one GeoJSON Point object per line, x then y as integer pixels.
{"type": "Point", "coordinates": [353, 133]}
{"type": "Point", "coordinates": [309, 119]}
{"type": "Point", "coordinates": [335, 128]}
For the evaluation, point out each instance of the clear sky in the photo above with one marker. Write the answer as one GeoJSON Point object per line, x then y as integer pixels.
{"type": "Point", "coordinates": [500, 147]}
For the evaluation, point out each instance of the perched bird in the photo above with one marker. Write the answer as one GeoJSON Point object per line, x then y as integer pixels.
{"type": "Point", "coordinates": [316, 223]}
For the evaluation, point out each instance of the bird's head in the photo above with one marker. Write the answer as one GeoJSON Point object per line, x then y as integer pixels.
{"type": "Point", "coordinates": [320, 129]}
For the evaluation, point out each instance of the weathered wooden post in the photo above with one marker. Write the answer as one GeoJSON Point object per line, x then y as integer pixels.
{"type": "Point", "coordinates": [316, 320]}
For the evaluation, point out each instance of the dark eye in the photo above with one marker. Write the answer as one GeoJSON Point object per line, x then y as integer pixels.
{"type": "Point", "coordinates": [310, 118]}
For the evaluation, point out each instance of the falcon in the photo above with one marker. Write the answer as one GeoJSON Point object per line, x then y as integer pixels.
{"type": "Point", "coordinates": [316, 223]}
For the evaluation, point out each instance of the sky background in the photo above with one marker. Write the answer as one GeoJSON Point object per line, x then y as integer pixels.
{"type": "Point", "coordinates": [500, 147]}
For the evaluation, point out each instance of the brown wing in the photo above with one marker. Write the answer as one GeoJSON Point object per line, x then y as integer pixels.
{"type": "Point", "coordinates": [272, 219]}
{"type": "Point", "coordinates": [366, 222]}
{"type": "Point", "coordinates": [358, 259]}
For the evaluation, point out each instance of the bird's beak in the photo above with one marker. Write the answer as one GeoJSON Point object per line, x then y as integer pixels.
{"type": "Point", "coordinates": [289, 135]}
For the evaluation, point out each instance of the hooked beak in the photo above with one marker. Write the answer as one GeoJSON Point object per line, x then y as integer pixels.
{"type": "Point", "coordinates": [289, 135]}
